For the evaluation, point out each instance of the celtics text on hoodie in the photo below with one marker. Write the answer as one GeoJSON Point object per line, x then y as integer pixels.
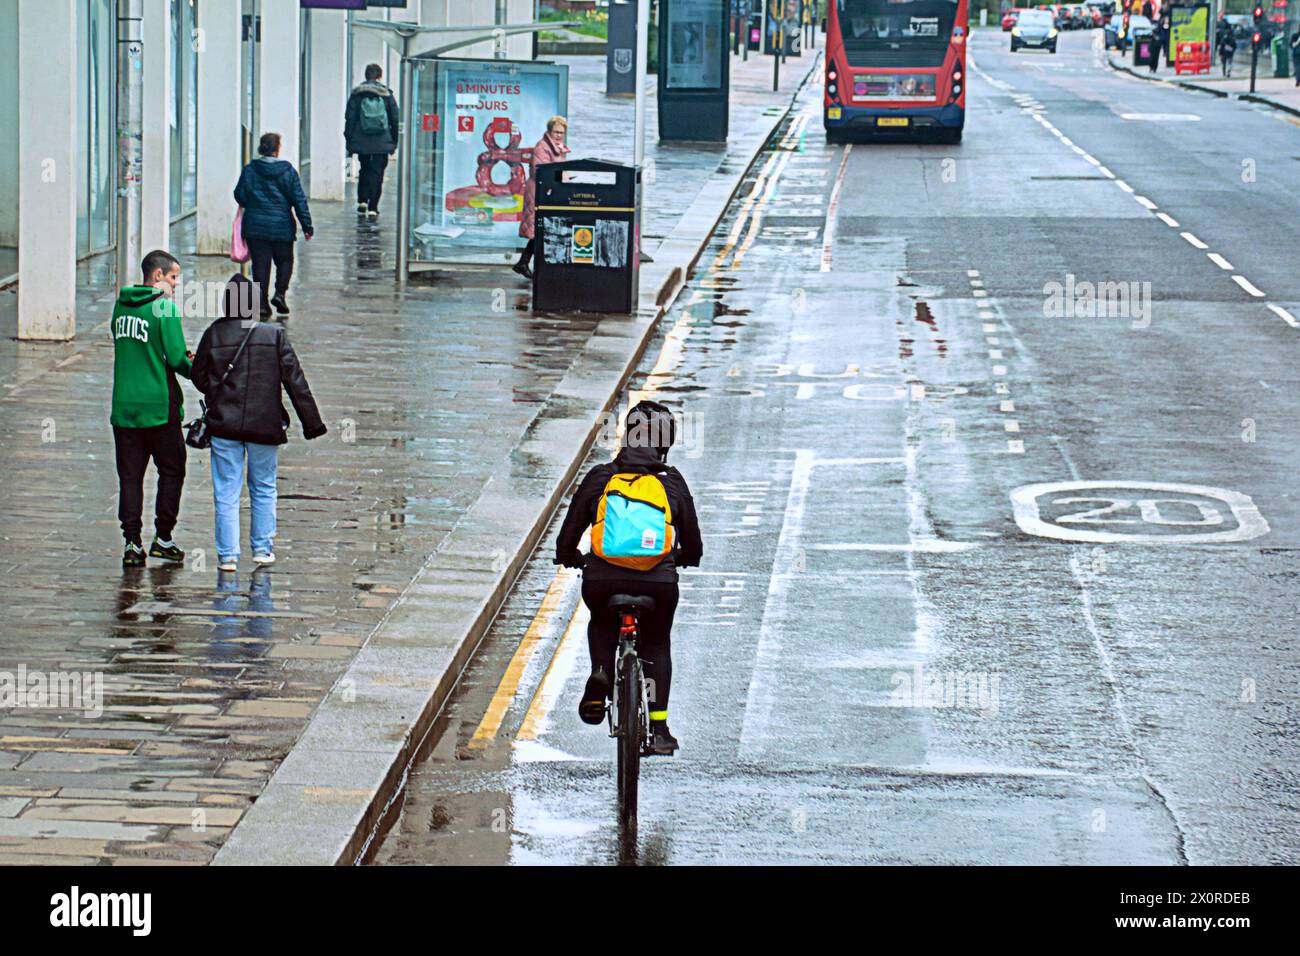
{"type": "Point", "coordinates": [148, 353]}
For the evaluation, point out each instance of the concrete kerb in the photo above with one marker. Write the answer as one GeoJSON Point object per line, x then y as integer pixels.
{"type": "Point", "coordinates": [328, 796]}
{"type": "Point", "coordinates": [1200, 88]}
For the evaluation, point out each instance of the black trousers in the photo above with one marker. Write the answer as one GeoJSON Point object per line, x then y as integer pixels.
{"type": "Point", "coordinates": [263, 252]}
{"type": "Point", "coordinates": [526, 257]}
{"type": "Point", "coordinates": [135, 446]}
{"type": "Point", "coordinates": [655, 631]}
{"type": "Point", "coordinates": [370, 179]}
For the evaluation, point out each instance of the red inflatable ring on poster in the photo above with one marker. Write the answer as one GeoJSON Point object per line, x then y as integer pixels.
{"type": "Point", "coordinates": [486, 163]}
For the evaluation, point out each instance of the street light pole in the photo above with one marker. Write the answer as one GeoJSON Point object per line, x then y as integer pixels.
{"type": "Point", "coordinates": [130, 133]}
{"type": "Point", "coordinates": [642, 62]}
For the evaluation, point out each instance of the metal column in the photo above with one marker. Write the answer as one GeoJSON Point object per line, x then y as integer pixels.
{"type": "Point", "coordinates": [130, 134]}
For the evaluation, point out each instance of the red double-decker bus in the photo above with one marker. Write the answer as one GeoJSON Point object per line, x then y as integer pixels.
{"type": "Point", "coordinates": [895, 65]}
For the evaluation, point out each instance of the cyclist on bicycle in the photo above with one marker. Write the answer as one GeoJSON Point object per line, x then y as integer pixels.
{"type": "Point", "coordinates": [650, 432]}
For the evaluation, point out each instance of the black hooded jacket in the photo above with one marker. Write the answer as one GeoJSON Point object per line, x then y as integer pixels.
{"type": "Point", "coordinates": [246, 407]}
{"type": "Point", "coordinates": [688, 547]}
{"type": "Point", "coordinates": [358, 140]}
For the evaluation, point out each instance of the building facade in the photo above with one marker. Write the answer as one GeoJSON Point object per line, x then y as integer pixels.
{"type": "Point", "coordinates": [217, 73]}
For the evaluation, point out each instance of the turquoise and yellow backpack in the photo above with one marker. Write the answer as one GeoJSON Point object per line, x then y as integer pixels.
{"type": "Point", "coordinates": [634, 522]}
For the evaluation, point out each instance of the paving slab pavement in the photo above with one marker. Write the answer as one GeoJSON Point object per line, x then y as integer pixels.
{"type": "Point", "coordinates": [454, 430]}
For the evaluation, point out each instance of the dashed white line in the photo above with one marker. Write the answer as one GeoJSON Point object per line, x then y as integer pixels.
{"type": "Point", "coordinates": [1011, 425]}
{"type": "Point", "coordinates": [1123, 185]}
{"type": "Point", "coordinates": [999, 370]}
{"type": "Point", "coordinates": [990, 327]}
{"type": "Point", "coordinates": [973, 273]}
{"type": "Point", "coordinates": [1015, 446]}
{"type": "Point", "coordinates": [1105, 172]}
{"type": "Point", "coordinates": [995, 353]}
{"type": "Point", "coordinates": [1167, 219]}
{"type": "Point", "coordinates": [1193, 240]}
{"type": "Point", "coordinates": [1143, 201]}
{"type": "Point", "coordinates": [1001, 388]}
{"type": "Point", "coordinates": [1284, 315]}
{"type": "Point", "coordinates": [1246, 284]}
{"type": "Point", "coordinates": [1007, 405]}
{"type": "Point", "coordinates": [1219, 261]}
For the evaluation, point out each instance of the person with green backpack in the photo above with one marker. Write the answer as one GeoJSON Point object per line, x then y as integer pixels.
{"type": "Point", "coordinates": [370, 129]}
{"type": "Point", "coordinates": [643, 528]}
{"type": "Point", "coordinates": [148, 353]}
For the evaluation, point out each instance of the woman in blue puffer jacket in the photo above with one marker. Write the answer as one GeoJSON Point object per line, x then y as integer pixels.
{"type": "Point", "coordinates": [270, 193]}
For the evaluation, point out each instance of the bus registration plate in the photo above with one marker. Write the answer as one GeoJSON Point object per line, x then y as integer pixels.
{"type": "Point", "coordinates": [833, 112]}
{"type": "Point", "coordinates": [892, 121]}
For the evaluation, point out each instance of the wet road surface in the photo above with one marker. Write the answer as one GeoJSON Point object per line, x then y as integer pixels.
{"type": "Point", "coordinates": [988, 577]}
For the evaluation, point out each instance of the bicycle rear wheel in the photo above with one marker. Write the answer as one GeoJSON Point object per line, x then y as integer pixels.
{"type": "Point", "coordinates": [629, 739]}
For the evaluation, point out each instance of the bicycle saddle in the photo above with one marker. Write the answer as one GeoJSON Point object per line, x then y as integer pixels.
{"type": "Point", "coordinates": [621, 601]}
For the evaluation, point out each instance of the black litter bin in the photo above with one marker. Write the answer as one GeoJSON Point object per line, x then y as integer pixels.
{"type": "Point", "coordinates": [588, 237]}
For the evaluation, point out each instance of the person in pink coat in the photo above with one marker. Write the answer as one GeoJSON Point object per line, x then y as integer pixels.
{"type": "Point", "coordinates": [549, 149]}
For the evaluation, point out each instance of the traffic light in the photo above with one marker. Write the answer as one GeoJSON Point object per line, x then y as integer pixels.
{"type": "Point", "coordinates": [1258, 14]}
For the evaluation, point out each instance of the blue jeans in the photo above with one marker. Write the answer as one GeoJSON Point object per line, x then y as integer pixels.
{"type": "Point", "coordinates": [227, 480]}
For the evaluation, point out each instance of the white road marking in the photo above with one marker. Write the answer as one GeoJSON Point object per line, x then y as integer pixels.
{"type": "Point", "coordinates": [979, 293]}
{"type": "Point", "coordinates": [1015, 446]}
{"type": "Point", "coordinates": [832, 210]}
{"type": "Point", "coordinates": [1007, 405]}
{"type": "Point", "coordinates": [990, 327]}
{"type": "Point", "coordinates": [1123, 185]}
{"type": "Point", "coordinates": [991, 339]}
{"type": "Point", "coordinates": [973, 273]}
{"type": "Point", "coordinates": [1162, 117]}
{"type": "Point", "coordinates": [926, 545]}
{"type": "Point", "coordinates": [995, 353]}
{"type": "Point", "coordinates": [1105, 172]}
{"type": "Point", "coordinates": [1143, 201]}
{"type": "Point", "coordinates": [1167, 219]}
{"type": "Point", "coordinates": [1024, 502]}
{"type": "Point", "coordinates": [1246, 284]}
{"type": "Point", "coordinates": [1193, 240]}
{"type": "Point", "coordinates": [1219, 261]}
{"type": "Point", "coordinates": [1001, 388]}
{"type": "Point", "coordinates": [976, 283]}
{"type": "Point", "coordinates": [1011, 425]}
{"type": "Point", "coordinates": [999, 370]}
{"type": "Point", "coordinates": [759, 700]}
{"type": "Point", "coordinates": [1284, 315]}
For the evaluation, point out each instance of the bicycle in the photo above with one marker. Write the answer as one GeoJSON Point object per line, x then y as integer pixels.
{"type": "Point", "coordinates": [629, 719]}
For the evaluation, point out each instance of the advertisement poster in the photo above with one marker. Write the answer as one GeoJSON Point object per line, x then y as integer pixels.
{"type": "Point", "coordinates": [782, 18]}
{"type": "Point", "coordinates": [491, 116]}
{"type": "Point", "coordinates": [1188, 25]}
{"type": "Point", "coordinates": [695, 45]}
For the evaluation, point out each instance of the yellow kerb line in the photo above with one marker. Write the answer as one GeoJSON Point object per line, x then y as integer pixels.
{"type": "Point", "coordinates": [542, 701]}
{"type": "Point", "coordinates": [509, 686]}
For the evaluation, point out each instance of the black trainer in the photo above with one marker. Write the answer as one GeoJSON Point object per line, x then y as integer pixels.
{"type": "Point", "coordinates": [662, 743]}
{"type": "Point", "coordinates": [522, 269]}
{"type": "Point", "coordinates": [168, 552]}
{"type": "Point", "coordinates": [280, 305]}
{"type": "Point", "coordinates": [133, 556]}
{"type": "Point", "coordinates": [592, 706]}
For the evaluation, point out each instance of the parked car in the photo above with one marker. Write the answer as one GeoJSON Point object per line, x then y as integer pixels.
{"type": "Point", "coordinates": [1036, 29]}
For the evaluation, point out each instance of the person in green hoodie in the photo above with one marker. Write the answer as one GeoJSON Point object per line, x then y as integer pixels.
{"type": "Point", "coordinates": [148, 353]}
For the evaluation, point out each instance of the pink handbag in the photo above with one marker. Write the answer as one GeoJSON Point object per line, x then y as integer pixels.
{"type": "Point", "coordinates": [238, 248]}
